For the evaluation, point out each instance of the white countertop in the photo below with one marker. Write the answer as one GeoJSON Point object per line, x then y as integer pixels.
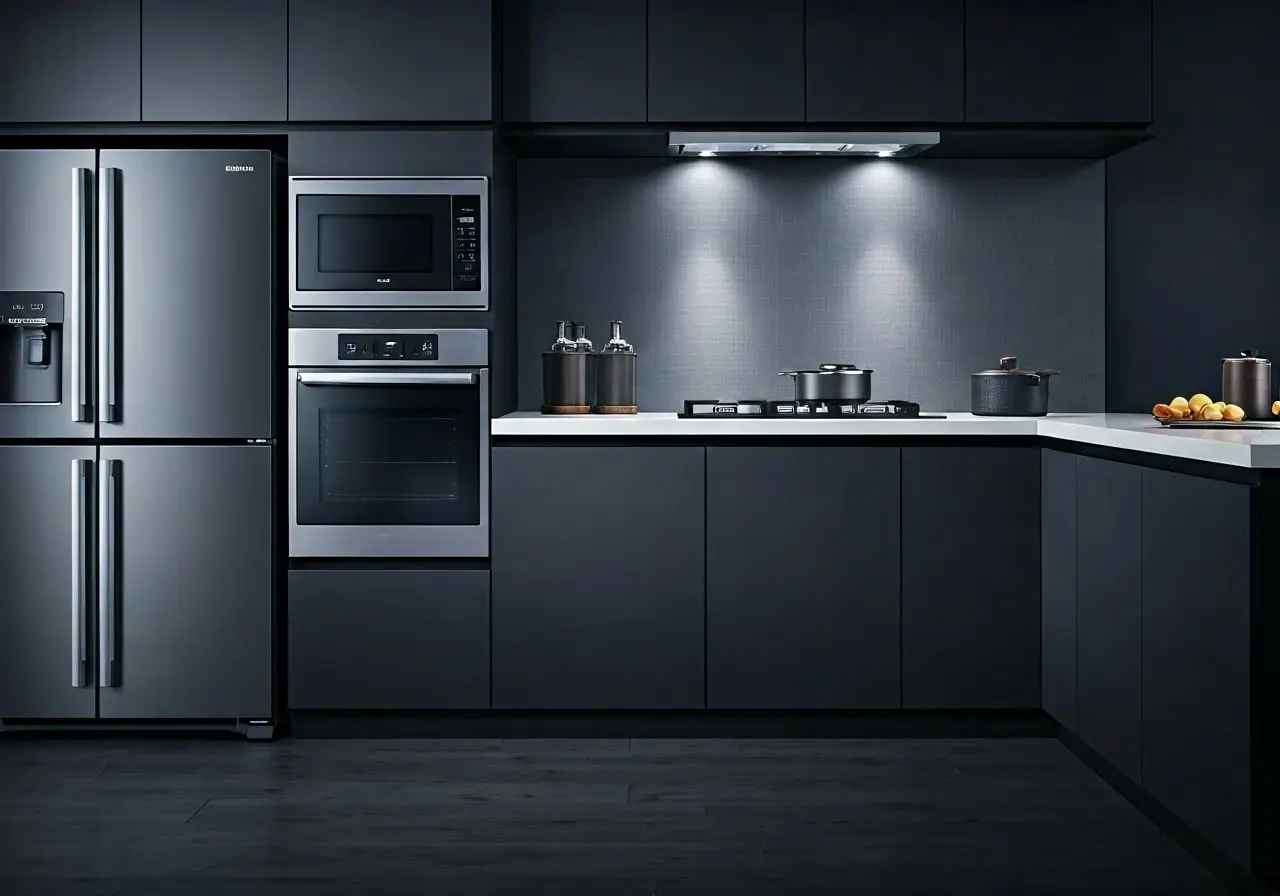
{"type": "Point", "coordinates": [1252, 448]}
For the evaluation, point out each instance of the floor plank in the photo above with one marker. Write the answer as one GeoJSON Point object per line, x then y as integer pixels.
{"type": "Point", "coordinates": [133, 818]}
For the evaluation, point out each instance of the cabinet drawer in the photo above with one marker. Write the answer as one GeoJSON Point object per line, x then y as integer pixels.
{"type": "Point", "coordinates": [388, 639]}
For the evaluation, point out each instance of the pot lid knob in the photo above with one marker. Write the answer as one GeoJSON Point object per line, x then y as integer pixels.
{"type": "Point", "coordinates": [1008, 363]}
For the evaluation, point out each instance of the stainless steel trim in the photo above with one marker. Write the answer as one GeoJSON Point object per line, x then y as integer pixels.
{"type": "Point", "coordinates": [78, 312]}
{"type": "Point", "coordinates": [107, 640]}
{"type": "Point", "coordinates": [391, 541]}
{"type": "Point", "coordinates": [79, 558]}
{"type": "Point", "coordinates": [391, 300]}
{"type": "Point", "coordinates": [387, 379]}
{"type": "Point", "coordinates": [107, 278]}
{"type": "Point", "coordinates": [318, 347]}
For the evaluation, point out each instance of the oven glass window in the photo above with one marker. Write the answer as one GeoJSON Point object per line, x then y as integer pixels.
{"type": "Point", "coordinates": [389, 244]}
{"type": "Point", "coordinates": [388, 456]}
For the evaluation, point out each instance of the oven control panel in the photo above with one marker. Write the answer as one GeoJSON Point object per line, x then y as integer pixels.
{"type": "Point", "coordinates": [388, 347]}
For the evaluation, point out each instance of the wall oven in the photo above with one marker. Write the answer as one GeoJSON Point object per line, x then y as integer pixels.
{"type": "Point", "coordinates": [389, 242]}
{"type": "Point", "coordinates": [389, 443]}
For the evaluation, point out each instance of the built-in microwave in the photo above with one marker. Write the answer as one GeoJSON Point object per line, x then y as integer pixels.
{"type": "Point", "coordinates": [396, 243]}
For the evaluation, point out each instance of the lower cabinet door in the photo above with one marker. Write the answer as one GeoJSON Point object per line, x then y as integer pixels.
{"type": "Point", "coordinates": [598, 577]}
{"type": "Point", "coordinates": [185, 628]}
{"type": "Point", "coordinates": [1109, 612]}
{"type": "Point", "coordinates": [1196, 724]}
{"type": "Point", "coordinates": [971, 578]}
{"type": "Point", "coordinates": [803, 578]}
{"type": "Point", "coordinates": [388, 639]}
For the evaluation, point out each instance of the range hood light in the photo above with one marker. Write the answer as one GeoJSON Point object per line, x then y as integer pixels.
{"type": "Point", "coordinates": [881, 145]}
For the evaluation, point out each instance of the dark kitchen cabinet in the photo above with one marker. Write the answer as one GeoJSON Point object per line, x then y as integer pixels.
{"type": "Point", "coordinates": [388, 639]}
{"type": "Point", "coordinates": [598, 559]}
{"type": "Point", "coordinates": [790, 625]}
{"type": "Point", "coordinates": [1109, 612]}
{"type": "Point", "coordinates": [1058, 478]}
{"type": "Point", "coordinates": [215, 60]}
{"type": "Point", "coordinates": [70, 61]}
{"type": "Point", "coordinates": [871, 61]}
{"type": "Point", "coordinates": [970, 578]}
{"type": "Point", "coordinates": [726, 61]}
{"type": "Point", "coordinates": [192, 564]}
{"type": "Point", "coordinates": [1196, 654]}
{"type": "Point", "coordinates": [574, 61]}
{"type": "Point", "coordinates": [1084, 61]}
{"type": "Point", "coordinates": [390, 60]}
{"type": "Point", "coordinates": [45, 529]}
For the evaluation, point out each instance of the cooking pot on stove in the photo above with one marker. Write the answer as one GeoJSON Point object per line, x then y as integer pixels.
{"type": "Point", "coordinates": [845, 382]}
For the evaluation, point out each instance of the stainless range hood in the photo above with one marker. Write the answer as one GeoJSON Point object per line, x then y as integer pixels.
{"type": "Point", "coordinates": [882, 144]}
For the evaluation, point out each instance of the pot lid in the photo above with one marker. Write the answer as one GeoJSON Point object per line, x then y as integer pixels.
{"type": "Point", "coordinates": [849, 369]}
{"type": "Point", "coordinates": [1009, 367]}
{"type": "Point", "coordinates": [1248, 355]}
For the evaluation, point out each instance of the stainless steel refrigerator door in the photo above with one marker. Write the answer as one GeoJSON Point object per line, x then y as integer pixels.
{"type": "Point", "coordinates": [189, 585]}
{"type": "Point", "coordinates": [46, 582]}
{"type": "Point", "coordinates": [46, 245]}
{"type": "Point", "coordinates": [186, 291]}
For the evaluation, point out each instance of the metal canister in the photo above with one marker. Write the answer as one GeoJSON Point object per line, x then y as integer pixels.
{"type": "Point", "coordinates": [1246, 383]}
{"type": "Point", "coordinates": [566, 375]}
{"type": "Point", "coordinates": [616, 375]}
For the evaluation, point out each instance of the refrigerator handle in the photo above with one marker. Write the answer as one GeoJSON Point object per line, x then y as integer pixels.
{"type": "Point", "coordinates": [81, 472]}
{"type": "Point", "coordinates": [108, 547]}
{"type": "Point", "coordinates": [78, 311]}
{"type": "Point", "coordinates": [108, 298]}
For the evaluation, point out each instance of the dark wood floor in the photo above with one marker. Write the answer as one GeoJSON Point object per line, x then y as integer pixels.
{"type": "Point", "coordinates": [191, 818]}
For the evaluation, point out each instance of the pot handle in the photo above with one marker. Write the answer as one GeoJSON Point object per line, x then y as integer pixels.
{"type": "Point", "coordinates": [1047, 373]}
{"type": "Point", "coordinates": [787, 372]}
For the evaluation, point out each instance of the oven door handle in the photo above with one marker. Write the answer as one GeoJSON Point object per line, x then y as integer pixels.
{"type": "Point", "coordinates": [387, 379]}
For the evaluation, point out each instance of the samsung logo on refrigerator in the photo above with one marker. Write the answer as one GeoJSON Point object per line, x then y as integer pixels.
{"type": "Point", "coordinates": [239, 167]}
{"type": "Point", "coordinates": [384, 279]}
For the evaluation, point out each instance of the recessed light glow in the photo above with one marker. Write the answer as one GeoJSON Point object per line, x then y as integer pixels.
{"type": "Point", "coordinates": [885, 155]}
{"type": "Point", "coordinates": [706, 154]}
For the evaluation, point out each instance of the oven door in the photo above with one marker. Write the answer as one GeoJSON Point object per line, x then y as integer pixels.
{"type": "Point", "coordinates": [388, 243]}
{"type": "Point", "coordinates": [389, 463]}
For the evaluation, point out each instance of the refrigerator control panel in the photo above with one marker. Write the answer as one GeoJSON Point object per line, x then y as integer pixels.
{"type": "Point", "coordinates": [35, 309]}
{"type": "Point", "coordinates": [388, 347]}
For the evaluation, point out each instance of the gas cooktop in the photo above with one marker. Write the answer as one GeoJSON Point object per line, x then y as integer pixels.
{"type": "Point", "coordinates": [830, 409]}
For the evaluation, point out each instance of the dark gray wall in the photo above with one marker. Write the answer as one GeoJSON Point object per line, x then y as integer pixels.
{"type": "Point", "coordinates": [1193, 216]}
{"type": "Point", "coordinates": [725, 272]}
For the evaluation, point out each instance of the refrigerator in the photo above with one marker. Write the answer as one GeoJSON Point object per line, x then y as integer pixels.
{"type": "Point", "coordinates": [137, 453]}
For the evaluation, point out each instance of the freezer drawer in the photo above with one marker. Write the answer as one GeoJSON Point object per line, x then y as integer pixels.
{"type": "Point", "coordinates": [388, 639]}
{"type": "Point", "coordinates": [185, 585]}
{"type": "Point", "coordinates": [45, 587]}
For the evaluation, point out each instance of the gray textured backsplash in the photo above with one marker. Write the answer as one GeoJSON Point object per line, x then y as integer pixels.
{"type": "Point", "coordinates": [725, 272]}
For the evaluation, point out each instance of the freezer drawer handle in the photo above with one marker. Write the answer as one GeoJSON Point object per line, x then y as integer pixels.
{"type": "Point", "coordinates": [108, 294]}
{"type": "Point", "coordinates": [387, 379]}
{"type": "Point", "coordinates": [81, 471]}
{"type": "Point", "coordinates": [108, 552]}
{"type": "Point", "coordinates": [78, 312]}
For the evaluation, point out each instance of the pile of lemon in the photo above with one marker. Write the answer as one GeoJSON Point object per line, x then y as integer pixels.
{"type": "Point", "coordinates": [1200, 407]}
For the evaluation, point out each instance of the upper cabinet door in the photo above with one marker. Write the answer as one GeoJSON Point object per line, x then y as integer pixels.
{"type": "Point", "coordinates": [215, 60]}
{"type": "Point", "coordinates": [390, 60]}
{"type": "Point", "coordinates": [726, 61]}
{"type": "Point", "coordinates": [70, 60]}
{"type": "Point", "coordinates": [870, 61]}
{"type": "Point", "coordinates": [574, 61]}
{"type": "Point", "coordinates": [1083, 61]}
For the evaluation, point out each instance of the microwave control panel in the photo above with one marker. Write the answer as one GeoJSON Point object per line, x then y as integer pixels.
{"type": "Point", "coordinates": [388, 347]}
{"type": "Point", "coordinates": [466, 242]}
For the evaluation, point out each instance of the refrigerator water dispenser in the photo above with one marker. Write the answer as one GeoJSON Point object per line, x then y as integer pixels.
{"type": "Point", "coordinates": [31, 325]}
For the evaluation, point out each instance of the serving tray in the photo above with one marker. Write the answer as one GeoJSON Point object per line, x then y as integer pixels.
{"type": "Point", "coordinates": [1219, 424]}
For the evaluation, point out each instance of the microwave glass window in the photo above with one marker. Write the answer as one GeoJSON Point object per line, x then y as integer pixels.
{"type": "Point", "coordinates": [375, 243]}
{"type": "Point", "coordinates": [388, 456]}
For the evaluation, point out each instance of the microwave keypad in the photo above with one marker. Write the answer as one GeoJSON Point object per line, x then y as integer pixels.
{"type": "Point", "coordinates": [466, 242]}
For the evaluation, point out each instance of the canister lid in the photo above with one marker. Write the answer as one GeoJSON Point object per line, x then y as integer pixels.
{"type": "Point", "coordinates": [1246, 356]}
